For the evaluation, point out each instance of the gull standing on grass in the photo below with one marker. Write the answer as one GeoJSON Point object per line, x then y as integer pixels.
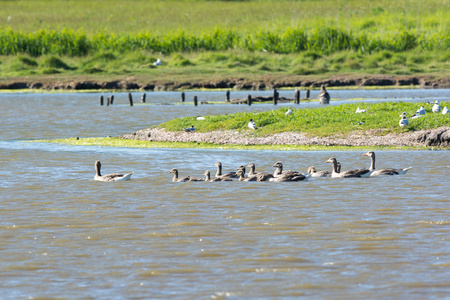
{"type": "Point", "coordinates": [289, 112]}
{"type": "Point", "coordinates": [252, 124]}
{"type": "Point", "coordinates": [403, 122]}
{"type": "Point", "coordinates": [436, 107]}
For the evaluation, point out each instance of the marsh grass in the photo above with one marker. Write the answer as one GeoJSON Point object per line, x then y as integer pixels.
{"type": "Point", "coordinates": [325, 121]}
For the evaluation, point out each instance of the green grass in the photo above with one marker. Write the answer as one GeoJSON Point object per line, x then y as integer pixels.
{"type": "Point", "coordinates": [324, 121]}
{"type": "Point", "coordinates": [202, 40]}
{"type": "Point", "coordinates": [116, 142]}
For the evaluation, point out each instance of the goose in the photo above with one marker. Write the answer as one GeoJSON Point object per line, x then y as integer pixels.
{"type": "Point", "coordinates": [445, 111]}
{"type": "Point", "coordinates": [252, 124]}
{"type": "Point", "coordinates": [189, 129]}
{"type": "Point", "coordinates": [359, 111]}
{"type": "Point", "coordinates": [347, 174]}
{"type": "Point", "coordinates": [182, 179]}
{"type": "Point", "coordinates": [421, 111]}
{"type": "Point", "coordinates": [259, 176]}
{"type": "Point", "coordinates": [241, 174]}
{"type": "Point", "coordinates": [289, 112]}
{"type": "Point", "coordinates": [208, 178]}
{"type": "Point", "coordinates": [324, 97]}
{"type": "Point", "coordinates": [219, 172]}
{"type": "Point", "coordinates": [314, 173]}
{"type": "Point", "coordinates": [403, 122]}
{"type": "Point", "coordinates": [157, 62]}
{"type": "Point", "coordinates": [109, 177]}
{"type": "Point", "coordinates": [436, 107]}
{"type": "Point", "coordinates": [388, 171]}
{"type": "Point", "coordinates": [280, 175]}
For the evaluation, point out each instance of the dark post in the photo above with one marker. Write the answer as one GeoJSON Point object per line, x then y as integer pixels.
{"type": "Point", "coordinates": [101, 100]}
{"type": "Point", "coordinates": [183, 97]}
{"type": "Point", "coordinates": [195, 101]}
{"type": "Point", "coordinates": [297, 96]}
{"type": "Point", "coordinates": [227, 95]}
{"type": "Point", "coordinates": [249, 100]}
{"type": "Point", "coordinates": [143, 97]}
{"type": "Point", "coordinates": [275, 97]}
{"type": "Point", "coordinates": [108, 101]}
{"type": "Point", "coordinates": [307, 94]}
{"type": "Point", "coordinates": [130, 98]}
{"type": "Point", "coordinates": [112, 99]}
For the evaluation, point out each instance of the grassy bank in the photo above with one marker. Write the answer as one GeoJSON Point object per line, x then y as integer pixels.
{"type": "Point", "coordinates": [108, 40]}
{"type": "Point", "coordinates": [117, 142]}
{"type": "Point", "coordinates": [324, 121]}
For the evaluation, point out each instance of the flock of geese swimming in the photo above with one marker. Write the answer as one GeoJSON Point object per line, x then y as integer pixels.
{"type": "Point", "coordinates": [278, 175]}
{"type": "Point", "coordinates": [289, 175]}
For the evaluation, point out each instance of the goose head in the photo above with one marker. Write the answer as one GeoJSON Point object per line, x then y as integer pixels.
{"type": "Point", "coordinates": [174, 171]}
{"type": "Point", "coordinates": [311, 170]}
{"type": "Point", "coordinates": [369, 154]}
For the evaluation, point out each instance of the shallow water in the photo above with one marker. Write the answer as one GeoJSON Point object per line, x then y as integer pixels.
{"type": "Point", "coordinates": [66, 236]}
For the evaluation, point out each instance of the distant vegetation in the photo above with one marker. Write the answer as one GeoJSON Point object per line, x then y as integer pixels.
{"type": "Point", "coordinates": [194, 37]}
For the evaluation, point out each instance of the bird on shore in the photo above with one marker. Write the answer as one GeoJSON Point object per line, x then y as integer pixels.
{"type": "Point", "coordinates": [289, 112]}
{"type": "Point", "coordinates": [189, 129]}
{"type": "Point", "coordinates": [324, 97]}
{"type": "Point", "coordinates": [421, 111]}
{"type": "Point", "coordinates": [359, 111]}
{"type": "Point", "coordinates": [387, 171]}
{"type": "Point", "coordinates": [436, 107]}
{"type": "Point", "coordinates": [403, 122]}
{"type": "Point", "coordinates": [109, 177]}
{"type": "Point", "coordinates": [157, 62]}
{"type": "Point", "coordinates": [252, 124]}
{"type": "Point", "coordinates": [445, 111]}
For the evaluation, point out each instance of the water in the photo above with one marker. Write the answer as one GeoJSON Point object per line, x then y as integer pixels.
{"type": "Point", "coordinates": [66, 236]}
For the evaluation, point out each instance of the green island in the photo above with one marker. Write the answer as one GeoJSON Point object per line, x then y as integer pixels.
{"type": "Point", "coordinates": [339, 127]}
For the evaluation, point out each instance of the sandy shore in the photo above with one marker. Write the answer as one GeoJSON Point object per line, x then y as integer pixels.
{"type": "Point", "coordinates": [436, 137]}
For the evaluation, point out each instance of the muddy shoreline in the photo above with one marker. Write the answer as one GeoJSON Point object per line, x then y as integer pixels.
{"type": "Point", "coordinates": [263, 83]}
{"type": "Point", "coordinates": [439, 137]}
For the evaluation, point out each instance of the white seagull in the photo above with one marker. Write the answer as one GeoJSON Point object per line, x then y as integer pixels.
{"type": "Point", "coordinates": [289, 112]}
{"type": "Point", "coordinates": [157, 62]}
{"type": "Point", "coordinates": [436, 107]}
{"type": "Point", "coordinates": [445, 111]}
{"type": "Point", "coordinates": [252, 124]}
{"type": "Point", "coordinates": [403, 122]}
{"type": "Point", "coordinates": [359, 111]}
{"type": "Point", "coordinates": [421, 111]}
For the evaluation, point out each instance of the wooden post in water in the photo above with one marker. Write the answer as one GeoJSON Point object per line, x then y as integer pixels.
{"type": "Point", "coordinates": [101, 100]}
{"type": "Point", "coordinates": [307, 94]}
{"type": "Point", "coordinates": [275, 97]}
{"type": "Point", "coordinates": [143, 97]}
{"type": "Point", "coordinates": [297, 96]}
{"type": "Point", "coordinates": [249, 100]}
{"type": "Point", "coordinates": [107, 101]}
{"type": "Point", "coordinates": [112, 99]}
{"type": "Point", "coordinates": [227, 96]}
{"type": "Point", "coordinates": [130, 99]}
{"type": "Point", "coordinates": [195, 101]}
{"type": "Point", "coordinates": [183, 97]}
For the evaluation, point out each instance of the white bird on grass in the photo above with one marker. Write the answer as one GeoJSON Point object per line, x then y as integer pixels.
{"type": "Point", "coordinates": [289, 112]}
{"type": "Point", "coordinates": [157, 62]}
{"type": "Point", "coordinates": [359, 111]}
{"type": "Point", "coordinates": [421, 111]}
{"type": "Point", "coordinates": [403, 122]}
{"type": "Point", "coordinates": [436, 107]}
{"type": "Point", "coordinates": [445, 111]}
{"type": "Point", "coordinates": [252, 124]}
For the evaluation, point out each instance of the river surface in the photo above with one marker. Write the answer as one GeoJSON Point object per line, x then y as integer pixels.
{"type": "Point", "coordinates": [65, 236]}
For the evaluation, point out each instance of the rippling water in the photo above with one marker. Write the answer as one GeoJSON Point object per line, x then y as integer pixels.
{"type": "Point", "coordinates": [66, 236]}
